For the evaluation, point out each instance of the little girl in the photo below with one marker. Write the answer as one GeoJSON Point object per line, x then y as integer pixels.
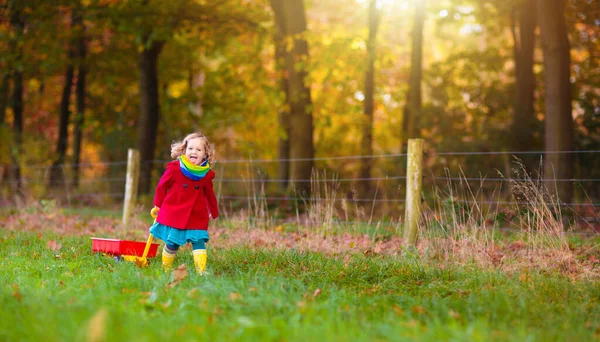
{"type": "Point", "coordinates": [186, 200]}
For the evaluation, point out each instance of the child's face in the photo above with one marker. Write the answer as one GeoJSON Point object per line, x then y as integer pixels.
{"type": "Point", "coordinates": [195, 150]}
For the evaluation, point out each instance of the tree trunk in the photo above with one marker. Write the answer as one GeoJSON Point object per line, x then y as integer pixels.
{"type": "Point", "coordinates": [57, 175]}
{"type": "Point", "coordinates": [524, 121]}
{"type": "Point", "coordinates": [557, 85]}
{"type": "Point", "coordinates": [412, 109]}
{"type": "Point", "coordinates": [299, 101]}
{"type": "Point", "coordinates": [367, 123]}
{"type": "Point", "coordinates": [4, 93]}
{"type": "Point", "coordinates": [5, 136]}
{"type": "Point", "coordinates": [17, 23]}
{"type": "Point", "coordinates": [17, 107]}
{"type": "Point", "coordinates": [283, 116]}
{"type": "Point", "coordinates": [80, 95]}
{"type": "Point", "coordinates": [149, 111]}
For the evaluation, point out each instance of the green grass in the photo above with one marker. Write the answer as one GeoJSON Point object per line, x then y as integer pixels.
{"type": "Point", "coordinates": [73, 294]}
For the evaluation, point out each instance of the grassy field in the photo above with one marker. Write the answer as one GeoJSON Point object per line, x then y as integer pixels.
{"type": "Point", "coordinates": [53, 288]}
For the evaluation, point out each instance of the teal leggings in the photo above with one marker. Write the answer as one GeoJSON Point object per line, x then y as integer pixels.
{"type": "Point", "coordinates": [196, 245]}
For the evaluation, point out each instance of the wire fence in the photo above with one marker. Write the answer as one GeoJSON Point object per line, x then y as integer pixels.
{"type": "Point", "coordinates": [241, 182]}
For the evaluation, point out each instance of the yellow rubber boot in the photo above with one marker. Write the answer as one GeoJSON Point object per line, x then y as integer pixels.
{"type": "Point", "coordinates": [167, 260]}
{"type": "Point", "coordinates": [200, 260]}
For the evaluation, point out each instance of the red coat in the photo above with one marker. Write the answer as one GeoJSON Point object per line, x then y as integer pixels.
{"type": "Point", "coordinates": [184, 203]}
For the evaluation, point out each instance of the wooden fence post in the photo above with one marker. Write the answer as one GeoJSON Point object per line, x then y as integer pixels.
{"type": "Point", "coordinates": [131, 184]}
{"type": "Point", "coordinates": [414, 177]}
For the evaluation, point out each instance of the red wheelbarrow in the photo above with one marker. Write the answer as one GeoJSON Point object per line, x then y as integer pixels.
{"type": "Point", "coordinates": [133, 251]}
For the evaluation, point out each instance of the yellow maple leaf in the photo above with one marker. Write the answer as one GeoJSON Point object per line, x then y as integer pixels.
{"type": "Point", "coordinates": [96, 326]}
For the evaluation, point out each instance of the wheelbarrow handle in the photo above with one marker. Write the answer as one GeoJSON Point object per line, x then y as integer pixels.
{"type": "Point", "coordinates": [147, 248]}
{"type": "Point", "coordinates": [154, 212]}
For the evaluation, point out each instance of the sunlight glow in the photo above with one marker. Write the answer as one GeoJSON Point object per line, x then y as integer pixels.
{"type": "Point", "coordinates": [470, 28]}
{"type": "Point", "coordinates": [443, 13]}
{"type": "Point", "coordinates": [401, 4]}
{"type": "Point", "coordinates": [359, 95]}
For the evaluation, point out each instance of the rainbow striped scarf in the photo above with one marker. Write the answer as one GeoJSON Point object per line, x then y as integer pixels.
{"type": "Point", "coordinates": [192, 171]}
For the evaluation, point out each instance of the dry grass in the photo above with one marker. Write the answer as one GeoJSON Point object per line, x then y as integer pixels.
{"type": "Point", "coordinates": [505, 256]}
{"type": "Point", "coordinates": [256, 214]}
{"type": "Point", "coordinates": [458, 229]}
{"type": "Point", "coordinates": [462, 228]}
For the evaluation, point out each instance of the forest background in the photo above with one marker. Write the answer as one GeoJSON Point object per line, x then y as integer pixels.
{"type": "Point", "coordinates": [295, 91]}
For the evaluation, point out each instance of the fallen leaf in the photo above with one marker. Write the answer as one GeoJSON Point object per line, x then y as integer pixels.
{"type": "Point", "coordinates": [317, 292]}
{"type": "Point", "coordinates": [141, 262]}
{"type": "Point", "coordinates": [524, 277]}
{"type": "Point", "coordinates": [517, 245]}
{"type": "Point", "coordinates": [235, 296]}
{"type": "Point", "coordinates": [418, 309]}
{"type": "Point", "coordinates": [398, 310]}
{"type": "Point", "coordinates": [179, 274]}
{"type": "Point", "coordinates": [53, 245]}
{"type": "Point", "coordinates": [454, 314]}
{"type": "Point", "coordinates": [411, 324]}
{"type": "Point", "coordinates": [96, 326]}
{"type": "Point", "coordinates": [17, 293]}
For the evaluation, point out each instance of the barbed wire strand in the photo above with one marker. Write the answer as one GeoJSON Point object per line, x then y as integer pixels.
{"type": "Point", "coordinates": [389, 155]}
{"type": "Point", "coordinates": [304, 180]}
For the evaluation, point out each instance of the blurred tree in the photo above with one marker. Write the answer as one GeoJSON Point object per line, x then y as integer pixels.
{"type": "Point", "coordinates": [80, 95]}
{"type": "Point", "coordinates": [283, 115]}
{"type": "Point", "coordinates": [5, 71]}
{"type": "Point", "coordinates": [524, 118]}
{"type": "Point", "coordinates": [17, 23]}
{"type": "Point", "coordinates": [147, 127]}
{"type": "Point", "coordinates": [4, 65]}
{"type": "Point", "coordinates": [157, 25]}
{"type": "Point", "coordinates": [57, 171]}
{"type": "Point", "coordinates": [217, 74]}
{"type": "Point", "coordinates": [367, 120]}
{"type": "Point", "coordinates": [151, 44]}
{"type": "Point", "coordinates": [412, 108]}
{"type": "Point", "coordinates": [582, 20]}
{"type": "Point", "coordinates": [4, 91]}
{"type": "Point", "coordinates": [557, 87]}
{"type": "Point", "coordinates": [299, 100]}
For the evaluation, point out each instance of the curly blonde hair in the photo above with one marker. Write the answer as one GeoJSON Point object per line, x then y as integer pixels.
{"type": "Point", "coordinates": [178, 147]}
